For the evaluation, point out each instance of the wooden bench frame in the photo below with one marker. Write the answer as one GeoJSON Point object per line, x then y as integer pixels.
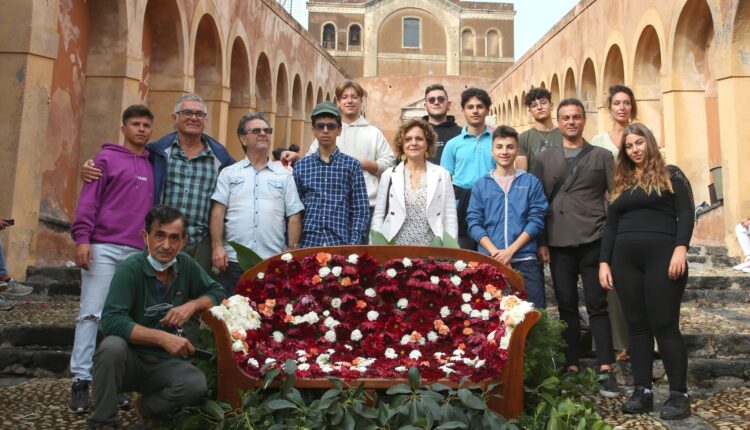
{"type": "Point", "coordinates": [232, 380]}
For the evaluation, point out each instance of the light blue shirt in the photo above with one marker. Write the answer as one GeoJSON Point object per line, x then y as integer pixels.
{"type": "Point", "coordinates": [468, 157]}
{"type": "Point", "coordinates": [258, 203]}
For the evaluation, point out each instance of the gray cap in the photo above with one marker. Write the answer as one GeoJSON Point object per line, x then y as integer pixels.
{"type": "Point", "coordinates": [327, 108]}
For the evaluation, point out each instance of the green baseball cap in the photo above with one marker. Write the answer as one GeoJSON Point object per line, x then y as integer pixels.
{"type": "Point", "coordinates": [327, 108]}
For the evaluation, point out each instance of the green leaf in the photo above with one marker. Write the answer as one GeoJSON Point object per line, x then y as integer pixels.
{"type": "Point", "coordinates": [437, 242]}
{"type": "Point", "coordinates": [269, 377]}
{"type": "Point", "coordinates": [279, 404]}
{"type": "Point", "coordinates": [349, 422]}
{"type": "Point", "coordinates": [470, 400]}
{"type": "Point", "coordinates": [214, 409]}
{"type": "Point", "coordinates": [398, 389]}
{"type": "Point", "coordinates": [449, 241]}
{"type": "Point", "coordinates": [439, 387]}
{"type": "Point", "coordinates": [246, 257]}
{"type": "Point", "coordinates": [451, 425]}
{"type": "Point", "coordinates": [331, 393]}
{"type": "Point", "coordinates": [414, 378]}
{"type": "Point", "coordinates": [377, 238]}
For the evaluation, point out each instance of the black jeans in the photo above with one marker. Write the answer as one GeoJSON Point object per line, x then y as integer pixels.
{"type": "Point", "coordinates": [230, 277]}
{"type": "Point", "coordinates": [463, 195]}
{"type": "Point", "coordinates": [651, 303]}
{"type": "Point", "coordinates": [566, 264]}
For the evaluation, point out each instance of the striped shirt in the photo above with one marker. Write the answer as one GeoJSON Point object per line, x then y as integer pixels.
{"type": "Point", "coordinates": [337, 211]}
{"type": "Point", "coordinates": [189, 186]}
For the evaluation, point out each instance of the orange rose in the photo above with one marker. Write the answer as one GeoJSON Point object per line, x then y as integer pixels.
{"type": "Point", "coordinates": [323, 258]}
{"type": "Point", "coordinates": [468, 331]}
{"type": "Point", "coordinates": [444, 329]}
{"type": "Point", "coordinates": [316, 279]}
{"type": "Point", "coordinates": [461, 346]}
{"type": "Point", "coordinates": [439, 323]}
{"type": "Point", "coordinates": [467, 323]}
{"type": "Point", "coordinates": [473, 264]}
{"type": "Point", "coordinates": [356, 361]}
{"type": "Point", "coordinates": [490, 288]}
{"type": "Point", "coordinates": [346, 281]}
{"type": "Point", "coordinates": [415, 335]}
{"type": "Point", "coordinates": [271, 303]}
{"type": "Point", "coordinates": [361, 304]}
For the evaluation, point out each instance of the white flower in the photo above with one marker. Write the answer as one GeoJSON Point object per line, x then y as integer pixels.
{"type": "Point", "coordinates": [289, 309]}
{"type": "Point", "coordinates": [400, 369]}
{"type": "Point", "coordinates": [491, 336]}
{"type": "Point", "coordinates": [407, 262]}
{"type": "Point", "coordinates": [459, 265]}
{"type": "Point", "coordinates": [445, 311]}
{"type": "Point", "coordinates": [475, 313]}
{"type": "Point", "coordinates": [474, 289]}
{"type": "Point", "coordinates": [303, 366]}
{"type": "Point", "coordinates": [466, 308]}
{"type": "Point", "coordinates": [487, 296]}
{"type": "Point", "coordinates": [468, 361]}
{"type": "Point", "coordinates": [456, 280]}
{"type": "Point", "coordinates": [432, 336]}
{"type": "Point", "coordinates": [390, 354]}
{"type": "Point", "coordinates": [253, 362]}
{"type": "Point", "coordinates": [434, 279]}
{"type": "Point", "coordinates": [330, 336]}
{"type": "Point", "coordinates": [326, 313]}
{"type": "Point", "coordinates": [330, 351]}
{"type": "Point", "coordinates": [330, 322]}
{"type": "Point", "coordinates": [505, 340]}
{"type": "Point", "coordinates": [356, 335]}
{"type": "Point", "coordinates": [348, 347]}
{"type": "Point", "coordinates": [287, 257]}
{"type": "Point", "coordinates": [370, 292]}
{"type": "Point", "coordinates": [372, 315]}
{"type": "Point", "coordinates": [336, 302]}
{"type": "Point", "coordinates": [238, 346]}
{"type": "Point", "coordinates": [336, 271]}
{"type": "Point", "coordinates": [391, 272]}
{"type": "Point", "coordinates": [421, 341]}
{"type": "Point", "coordinates": [302, 359]}
{"type": "Point", "coordinates": [447, 369]}
{"type": "Point", "coordinates": [438, 355]}
{"type": "Point", "coordinates": [352, 259]}
{"type": "Point", "coordinates": [261, 275]}
{"type": "Point", "coordinates": [466, 297]}
{"type": "Point", "coordinates": [485, 314]}
{"type": "Point", "coordinates": [405, 339]}
{"type": "Point", "coordinates": [278, 336]}
{"type": "Point", "coordinates": [402, 303]}
{"type": "Point", "coordinates": [415, 354]}
{"type": "Point", "coordinates": [479, 363]}
{"type": "Point", "coordinates": [270, 361]}
{"type": "Point", "coordinates": [297, 320]}
{"type": "Point", "coordinates": [458, 352]}
{"type": "Point", "coordinates": [324, 271]}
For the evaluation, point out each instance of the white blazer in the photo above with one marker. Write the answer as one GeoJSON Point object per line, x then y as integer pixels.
{"type": "Point", "coordinates": [441, 202]}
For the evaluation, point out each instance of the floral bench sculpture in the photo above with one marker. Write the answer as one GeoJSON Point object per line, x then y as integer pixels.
{"type": "Point", "coordinates": [366, 314]}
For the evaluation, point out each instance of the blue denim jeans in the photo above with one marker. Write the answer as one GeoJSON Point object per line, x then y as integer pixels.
{"type": "Point", "coordinates": [533, 279]}
{"type": "Point", "coordinates": [94, 289]}
{"type": "Point", "coordinates": [3, 269]}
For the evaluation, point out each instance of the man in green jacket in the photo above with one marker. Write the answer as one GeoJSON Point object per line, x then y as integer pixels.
{"type": "Point", "coordinates": [152, 297]}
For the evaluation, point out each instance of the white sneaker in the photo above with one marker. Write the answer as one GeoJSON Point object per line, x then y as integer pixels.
{"type": "Point", "coordinates": [746, 270]}
{"type": "Point", "coordinates": [742, 266]}
{"type": "Point", "coordinates": [13, 288]}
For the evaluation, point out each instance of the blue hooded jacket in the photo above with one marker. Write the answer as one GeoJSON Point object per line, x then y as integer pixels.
{"type": "Point", "coordinates": [159, 154]}
{"type": "Point", "coordinates": [503, 217]}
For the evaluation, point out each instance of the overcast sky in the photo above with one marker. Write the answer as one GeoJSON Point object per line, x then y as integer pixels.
{"type": "Point", "coordinates": [533, 18]}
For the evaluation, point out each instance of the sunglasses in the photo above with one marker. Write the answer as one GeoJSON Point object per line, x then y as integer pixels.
{"type": "Point", "coordinates": [326, 125]}
{"type": "Point", "coordinates": [257, 130]}
{"type": "Point", "coordinates": [438, 99]}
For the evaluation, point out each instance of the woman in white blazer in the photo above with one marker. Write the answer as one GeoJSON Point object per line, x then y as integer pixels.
{"type": "Point", "coordinates": [415, 201]}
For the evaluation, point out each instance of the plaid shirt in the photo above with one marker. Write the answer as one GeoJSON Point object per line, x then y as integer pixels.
{"type": "Point", "coordinates": [337, 211]}
{"type": "Point", "coordinates": [188, 187]}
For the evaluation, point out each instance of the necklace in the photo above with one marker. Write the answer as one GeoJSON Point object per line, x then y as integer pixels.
{"type": "Point", "coordinates": [546, 138]}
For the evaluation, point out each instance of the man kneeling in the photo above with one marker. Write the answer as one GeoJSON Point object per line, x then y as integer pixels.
{"type": "Point", "coordinates": [152, 297]}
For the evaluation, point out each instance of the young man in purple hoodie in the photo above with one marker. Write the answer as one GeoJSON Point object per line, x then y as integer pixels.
{"type": "Point", "coordinates": [107, 230]}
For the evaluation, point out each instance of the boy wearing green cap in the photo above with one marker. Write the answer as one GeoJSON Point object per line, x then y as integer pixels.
{"type": "Point", "coordinates": [332, 187]}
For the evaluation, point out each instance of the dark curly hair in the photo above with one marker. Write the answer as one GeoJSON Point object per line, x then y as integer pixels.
{"type": "Point", "coordinates": [429, 135]}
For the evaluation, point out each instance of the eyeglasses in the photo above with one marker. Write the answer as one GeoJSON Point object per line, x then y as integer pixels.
{"type": "Point", "coordinates": [326, 125]}
{"type": "Point", "coordinates": [189, 113]}
{"type": "Point", "coordinates": [539, 104]}
{"type": "Point", "coordinates": [257, 130]}
{"type": "Point", "coordinates": [438, 99]}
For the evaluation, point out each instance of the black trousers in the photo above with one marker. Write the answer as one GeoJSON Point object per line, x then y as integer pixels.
{"type": "Point", "coordinates": [651, 303]}
{"type": "Point", "coordinates": [567, 264]}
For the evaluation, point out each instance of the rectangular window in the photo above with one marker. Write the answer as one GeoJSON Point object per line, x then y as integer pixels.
{"type": "Point", "coordinates": [411, 33]}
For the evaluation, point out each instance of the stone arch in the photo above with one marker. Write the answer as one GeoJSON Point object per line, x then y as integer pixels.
{"type": "Point", "coordinates": [542, 85]}
{"type": "Point", "coordinates": [319, 98]}
{"type": "Point", "coordinates": [328, 35]}
{"type": "Point", "coordinates": [307, 136]}
{"type": "Point", "coordinates": [740, 39]}
{"type": "Point", "coordinates": [614, 69]}
{"type": "Point", "coordinates": [263, 86]}
{"type": "Point", "coordinates": [554, 88]}
{"type": "Point", "coordinates": [588, 96]}
{"type": "Point", "coordinates": [647, 80]}
{"type": "Point", "coordinates": [468, 42]}
{"type": "Point", "coordinates": [283, 118]}
{"type": "Point", "coordinates": [208, 72]}
{"type": "Point", "coordinates": [165, 35]}
{"type": "Point", "coordinates": [390, 41]}
{"type": "Point", "coordinates": [298, 112]}
{"type": "Point", "coordinates": [240, 98]}
{"type": "Point", "coordinates": [523, 113]}
{"type": "Point", "coordinates": [328, 96]}
{"type": "Point", "coordinates": [695, 96]}
{"type": "Point", "coordinates": [569, 88]}
{"type": "Point", "coordinates": [516, 112]}
{"type": "Point", "coordinates": [509, 113]}
{"type": "Point", "coordinates": [494, 44]}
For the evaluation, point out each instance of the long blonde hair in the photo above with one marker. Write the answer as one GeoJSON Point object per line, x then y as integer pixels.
{"type": "Point", "coordinates": [653, 178]}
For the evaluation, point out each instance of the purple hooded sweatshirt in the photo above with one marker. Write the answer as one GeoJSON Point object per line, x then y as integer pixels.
{"type": "Point", "coordinates": [113, 209]}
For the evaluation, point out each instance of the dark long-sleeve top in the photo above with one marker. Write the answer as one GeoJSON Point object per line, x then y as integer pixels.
{"type": "Point", "coordinates": [638, 215]}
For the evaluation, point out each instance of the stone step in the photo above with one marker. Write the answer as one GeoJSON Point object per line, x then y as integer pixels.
{"type": "Point", "coordinates": [34, 362]}
{"type": "Point", "coordinates": [53, 281]}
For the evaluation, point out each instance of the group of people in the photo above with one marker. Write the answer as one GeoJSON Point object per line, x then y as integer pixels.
{"type": "Point", "coordinates": [544, 196]}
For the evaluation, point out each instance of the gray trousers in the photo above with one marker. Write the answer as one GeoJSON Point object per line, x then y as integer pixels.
{"type": "Point", "coordinates": [164, 384]}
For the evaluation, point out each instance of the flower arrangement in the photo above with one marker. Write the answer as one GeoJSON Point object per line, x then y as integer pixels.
{"type": "Point", "coordinates": [350, 317]}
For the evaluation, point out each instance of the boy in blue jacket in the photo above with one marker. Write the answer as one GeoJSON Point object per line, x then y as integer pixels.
{"type": "Point", "coordinates": [506, 213]}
